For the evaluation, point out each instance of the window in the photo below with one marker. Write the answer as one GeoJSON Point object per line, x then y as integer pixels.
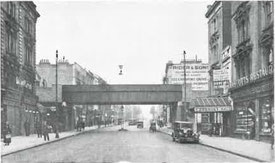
{"type": "Point", "coordinates": [268, 12]}
{"type": "Point", "coordinates": [28, 25]}
{"type": "Point", "coordinates": [243, 66]}
{"type": "Point", "coordinates": [215, 25]}
{"type": "Point", "coordinates": [11, 42]}
{"type": "Point", "coordinates": [266, 119]}
{"type": "Point", "coordinates": [270, 57]}
{"type": "Point", "coordinates": [242, 31]}
{"type": "Point", "coordinates": [11, 8]}
{"type": "Point", "coordinates": [245, 118]}
{"type": "Point", "coordinates": [28, 55]}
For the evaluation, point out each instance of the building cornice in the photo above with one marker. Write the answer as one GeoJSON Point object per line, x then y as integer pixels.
{"type": "Point", "coordinates": [212, 8]}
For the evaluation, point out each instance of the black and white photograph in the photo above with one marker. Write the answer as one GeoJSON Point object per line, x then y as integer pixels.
{"type": "Point", "coordinates": [137, 81]}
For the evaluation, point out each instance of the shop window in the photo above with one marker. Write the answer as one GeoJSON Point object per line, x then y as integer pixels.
{"type": "Point", "coordinates": [245, 119]}
{"type": "Point", "coordinates": [266, 118]}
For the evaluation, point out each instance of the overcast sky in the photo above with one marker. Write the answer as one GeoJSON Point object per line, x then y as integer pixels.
{"type": "Point", "coordinates": [141, 35]}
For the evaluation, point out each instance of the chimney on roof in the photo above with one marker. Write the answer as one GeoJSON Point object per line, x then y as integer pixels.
{"type": "Point", "coordinates": [44, 61]}
{"type": "Point", "coordinates": [208, 7]}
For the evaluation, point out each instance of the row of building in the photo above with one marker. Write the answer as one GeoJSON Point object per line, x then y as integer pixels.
{"type": "Point", "coordinates": [29, 91]}
{"type": "Point", "coordinates": [239, 99]}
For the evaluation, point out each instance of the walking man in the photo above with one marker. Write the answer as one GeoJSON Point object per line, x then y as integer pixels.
{"type": "Point", "coordinates": [272, 136]}
{"type": "Point", "coordinates": [39, 129]}
{"type": "Point", "coordinates": [45, 128]}
{"type": "Point", "coordinates": [7, 134]}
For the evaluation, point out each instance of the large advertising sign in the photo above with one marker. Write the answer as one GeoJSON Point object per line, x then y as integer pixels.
{"type": "Point", "coordinates": [196, 74]}
{"type": "Point", "coordinates": [222, 77]}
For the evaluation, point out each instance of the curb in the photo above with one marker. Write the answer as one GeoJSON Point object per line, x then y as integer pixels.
{"type": "Point", "coordinates": [48, 142]}
{"type": "Point", "coordinates": [227, 151]}
{"type": "Point", "coordinates": [234, 153]}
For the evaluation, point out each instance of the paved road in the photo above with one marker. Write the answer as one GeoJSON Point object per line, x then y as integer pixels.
{"type": "Point", "coordinates": [109, 145]}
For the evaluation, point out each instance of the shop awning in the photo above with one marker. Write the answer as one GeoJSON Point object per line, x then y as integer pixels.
{"type": "Point", "coordinates": [211, 104]}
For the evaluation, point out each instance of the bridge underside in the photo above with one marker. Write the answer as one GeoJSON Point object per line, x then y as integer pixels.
{"type": "Point", "coordinates": [121, 94]}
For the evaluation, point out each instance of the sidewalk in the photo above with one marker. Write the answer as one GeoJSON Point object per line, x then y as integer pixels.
{"type": "Point", "coordinates": [252, 149]}
{"type": "Point", "coordinates": [19, 143]}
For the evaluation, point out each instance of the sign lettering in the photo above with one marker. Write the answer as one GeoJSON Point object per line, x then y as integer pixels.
{"type": "Point", "coordinates": [213, 109]}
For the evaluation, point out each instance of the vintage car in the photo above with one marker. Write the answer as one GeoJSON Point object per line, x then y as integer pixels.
{"type": "Point", "coordinates": [140, 124]}
{"type": "Point", "coordinates": [183, 131]}
{"type": "Point", "coordinates": [132, 122]}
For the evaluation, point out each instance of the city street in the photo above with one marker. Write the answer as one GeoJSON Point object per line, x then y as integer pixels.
{"type": "Point", "coordinates": [109, 145]}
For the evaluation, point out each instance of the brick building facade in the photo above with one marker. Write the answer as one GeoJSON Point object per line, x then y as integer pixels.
{"type": "Point", "coordinates": [18, 46]}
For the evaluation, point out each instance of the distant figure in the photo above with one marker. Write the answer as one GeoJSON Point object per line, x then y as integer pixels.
{"type": "Point", "coordinates": [272, 136]}
{"type": "Point", "coordinates": [46, 129]}
{"type": "Point", "coordinates": [38, 127]}
{"type": "Point", "coordinates": [83, 125]}
{"type": "Point", "coordinates": [78, 125]}
{"type": "Point", "coordinates": [7, 134]}
{"type": "Point", "coordinates": [26, 127]}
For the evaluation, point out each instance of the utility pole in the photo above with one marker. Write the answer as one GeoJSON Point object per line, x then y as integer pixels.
{"type": "Point", "coordinates": [185, 102]}
{"type": "Point", "coordinates": [56, 99]}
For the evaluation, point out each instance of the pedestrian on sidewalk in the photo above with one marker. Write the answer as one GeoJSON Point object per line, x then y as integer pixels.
{"type": "Point", "coordinates": [39, 129]}
{"type": "Point", "coordinates": [26, 127]}
{"type": "Point", "coordinates": [46, 129]}
{"type": "Point", "coordinates": [272, 136]}
{"type": "Point", "coordinates": [7, 134]}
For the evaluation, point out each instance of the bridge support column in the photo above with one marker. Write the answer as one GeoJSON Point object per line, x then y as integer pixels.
{"type": "Point", "coordinates": [173, 112]}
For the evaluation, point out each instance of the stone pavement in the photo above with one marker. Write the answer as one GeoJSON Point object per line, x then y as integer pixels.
{"type": "Point", "coordinates": [252, 149]}
{"type": "Point", "coordinates": [19, 143]}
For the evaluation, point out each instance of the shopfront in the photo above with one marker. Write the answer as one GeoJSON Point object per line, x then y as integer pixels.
{"type": "Point", "coordinates": [254, 108]}
{"type": "Point", "coordinates": [213, 115]}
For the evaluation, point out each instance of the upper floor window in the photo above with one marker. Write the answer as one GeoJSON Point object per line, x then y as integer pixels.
{"type": "Point", "coordinates": [28, 25]}
{"type": "Point", "coordinates": [215, 25]}
{"type": "Point", "coordinates": [28, 55]}
{"type": "Point", "coordinates": [242, 31]}
{"type": "Point", "coordinates": [215, 52]}
{"type": "Point", "coordinates": [269, 57]}
{"type": "Point", "coordinates": [268, 12]}
{"type": "Point", "coordinates": [241, 17]}
{"type": "Point", "coordinates": [11, 42]}
{"type": "Point", "coordinates": [243, 65]}
{"type": "Point", "coordinates": [11, 8]}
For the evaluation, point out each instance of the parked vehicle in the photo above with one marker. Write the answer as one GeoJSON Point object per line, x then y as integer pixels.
{"type": "Point", "coordinates": [132, 122]}
{"type": "Point", "coordinates": [183, 131]}
{"type": "Point", "coordinates": [140, 124]}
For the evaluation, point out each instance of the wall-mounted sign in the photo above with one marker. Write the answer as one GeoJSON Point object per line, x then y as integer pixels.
{"type": "Point", "coordinates": [253, 77]}
{"type": "Point", "coordinates": [196, 74]}
{"type": "Point", "coordinates": [221, 75]}
{"type": "Point", "coordinates": [212, 109]}
{"type": "Point", "coordinates": [226, 53]}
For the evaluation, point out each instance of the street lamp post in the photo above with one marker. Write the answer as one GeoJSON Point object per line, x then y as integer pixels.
{"type": "Point", "coordinates": [56, 99]}
{"type": "Point", "coordinates": [122, 108]}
